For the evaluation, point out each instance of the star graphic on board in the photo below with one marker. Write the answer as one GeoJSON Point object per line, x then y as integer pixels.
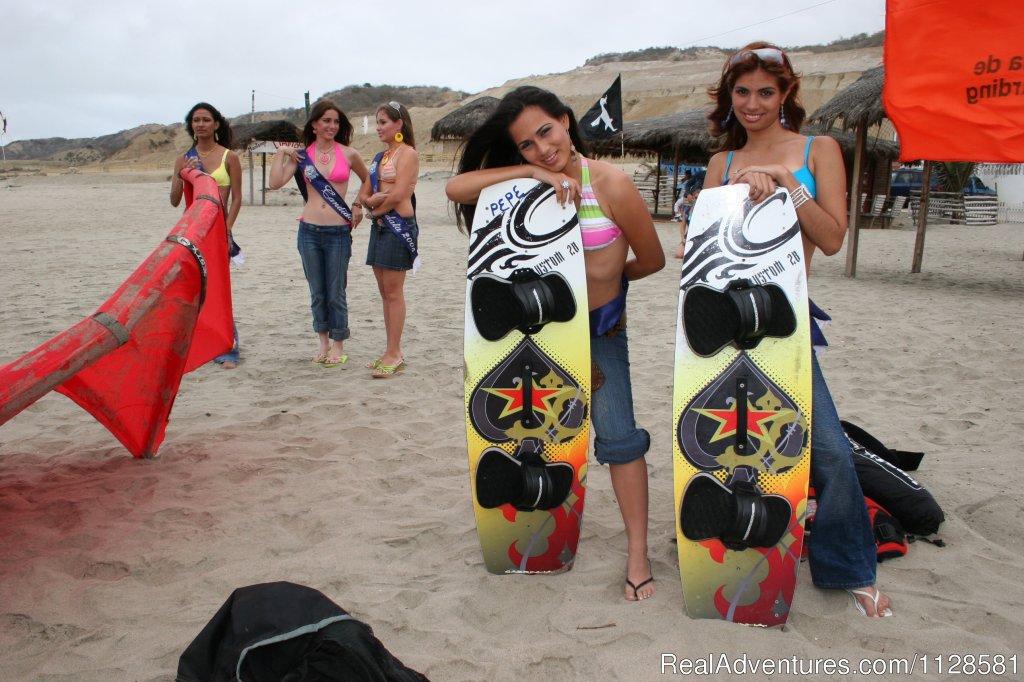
{"type": "Point", "coordinates": [728, 420]}
{"type": "Point", "coordinates": [543, 399]}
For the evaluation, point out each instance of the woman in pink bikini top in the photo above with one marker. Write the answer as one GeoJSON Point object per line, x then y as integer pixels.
{"type": "Point", "coordinates": [325, 231]}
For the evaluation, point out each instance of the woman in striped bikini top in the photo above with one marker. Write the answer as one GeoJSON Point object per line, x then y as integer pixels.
{"type": "Point", "coordinates": [533, 134]}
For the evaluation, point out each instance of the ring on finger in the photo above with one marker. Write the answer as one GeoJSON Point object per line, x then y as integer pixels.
{"type": "Point", "coordinates": [565, 184]}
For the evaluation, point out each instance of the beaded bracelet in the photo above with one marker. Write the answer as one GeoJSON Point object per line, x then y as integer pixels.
{"type": "Point", "coordinates": [800, 196]}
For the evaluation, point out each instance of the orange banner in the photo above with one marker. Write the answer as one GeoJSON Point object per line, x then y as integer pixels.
{"type": "Point", "coordinates": [954, 79]}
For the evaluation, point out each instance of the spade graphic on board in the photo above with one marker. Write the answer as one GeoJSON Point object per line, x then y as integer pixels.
{"type": "Point", "coordinates": [527, 395]}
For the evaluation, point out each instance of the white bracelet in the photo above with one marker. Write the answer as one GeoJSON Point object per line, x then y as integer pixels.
{"type": "Point", "coordinates": [800, 196]}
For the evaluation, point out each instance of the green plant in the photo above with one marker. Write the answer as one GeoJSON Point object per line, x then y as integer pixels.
{"type": "Point", "coordinates": [956, 174]}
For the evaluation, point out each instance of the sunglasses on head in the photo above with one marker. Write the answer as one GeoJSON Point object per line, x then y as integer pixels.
{"type": "Point", "coordinates": [765, 54]}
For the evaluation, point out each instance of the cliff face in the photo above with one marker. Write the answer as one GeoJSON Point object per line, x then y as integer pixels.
{"type": "Point", "coordinates": [649, 88]}
{"type": "Point", "coordinates": [657, 88]}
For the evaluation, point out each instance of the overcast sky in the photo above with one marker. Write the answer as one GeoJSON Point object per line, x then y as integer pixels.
{"type": "Point", "coordinates": [75, 68]}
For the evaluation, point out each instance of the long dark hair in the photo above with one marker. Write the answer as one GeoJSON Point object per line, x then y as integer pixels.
{"type": "Point", "coordinates": [222, 135]}
{"type": "Point", "coordinates": [722, 123]}
{"type": "Point", "coordinates": [321, 107]}
{"type": "Point", "coordinates": [395, 111]}
{"type": "Point", "coordinates": [491, 145]}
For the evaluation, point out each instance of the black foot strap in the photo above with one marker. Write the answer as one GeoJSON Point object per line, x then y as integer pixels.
{"type": "Point", "coordinates": [739, 515]}
{"type": "Point", "coordinates": [526, 301]}
{"type": "Point", "coordinates": [742, 314]}
{"type": "Point", "coordinates": [526, 482]}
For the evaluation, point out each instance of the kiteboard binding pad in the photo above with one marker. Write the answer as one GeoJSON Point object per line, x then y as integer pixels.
{"type": "Point", "coordinates": [527, 373]}
{"type": "Point", "coordinates": [742, 407]}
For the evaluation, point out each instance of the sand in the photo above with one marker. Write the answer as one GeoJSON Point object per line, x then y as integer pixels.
{"type": "Point", "coordinates": [283, 470]}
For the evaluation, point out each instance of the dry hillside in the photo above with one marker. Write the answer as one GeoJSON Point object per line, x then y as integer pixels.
{"type": "Point", "coordinates": [650, 88]}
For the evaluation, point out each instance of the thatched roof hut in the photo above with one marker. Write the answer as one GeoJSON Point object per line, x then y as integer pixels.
{"type": "Point", "coordinates": [860, 103]}
{"type": "Point", "coordinates": [276, 131]}
{"type": "Point", "coordinates": [459, 124]}
{"type": "Point", "coordinates": [876, 149]}
{"type": "Point", "coordinates": [859, 107]}
{"type": "Point", "coordinates": [263, 131]}
{"type": "Point", "coordinates": [684, 136]}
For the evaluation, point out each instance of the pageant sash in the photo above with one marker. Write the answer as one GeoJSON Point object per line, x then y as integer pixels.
{"type": "Point", "coordinates": [392, 219]}
{"type": "Point", "coordinates": [603, 319]}
{"type": "Point", "coordinates": [187, 187]}
{"type": "Point", "coordinates": [323, 188]}
{"type": "Point", "coordinates": [820, 320]}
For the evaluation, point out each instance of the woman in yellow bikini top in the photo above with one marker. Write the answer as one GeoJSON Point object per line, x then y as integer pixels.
{"type": "Point", "coordinates": [211, 153]}
{"type": "Point", "coordinates": [212, 138]}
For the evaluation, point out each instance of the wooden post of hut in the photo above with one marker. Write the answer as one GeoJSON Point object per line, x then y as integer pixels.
{"type": "Point", "coordinates": [922, 217]}
{"type": "Point", "coordinates": [853, 219]}
{"type": "Point", "coordinates": [657, 183]}
{"type": "Point", "coordinates": [860, 107]}
{"type": "Point", "coordinates": [252, 181]}
{"type": "Point", "coordinates": [675, 177]}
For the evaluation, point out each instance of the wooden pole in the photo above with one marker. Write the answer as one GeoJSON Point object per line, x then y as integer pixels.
{"type": "Point", "coordinates": [853, 219]}
{"type": "Point", "coordinates": [922, 217]}
{"type": "Point", "coordinates": [252, 188]}
{"type": "Point", "coordinates": [675, 176]}
{"type": "Point", "coordinates": [252, 170]}
{"type": "Point", "coordinates": [657, 184]}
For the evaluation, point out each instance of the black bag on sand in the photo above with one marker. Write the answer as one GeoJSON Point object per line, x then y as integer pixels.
{"type": "Point", "coordinates": [883, 478]}
{"type": "Point", "coordinates": [890, 538]}
{"type": "Point", "coordinates": [283, 632]}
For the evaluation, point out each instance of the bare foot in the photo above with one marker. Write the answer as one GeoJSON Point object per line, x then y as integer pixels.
{"type": "Point", "coordinates": [229, 364]}
{"type": "Point", "coordinates": [640, 585]}
{"type": "Point", "coordinates": [871, 602]}
{"type": "Point", "coordinates": [680, 249]}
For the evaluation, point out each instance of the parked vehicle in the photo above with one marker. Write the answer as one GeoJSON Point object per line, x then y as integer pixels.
{"type": "Point", "coordinates": [906, 180]}
{"type": "Point", "coordinates": [976, 186]}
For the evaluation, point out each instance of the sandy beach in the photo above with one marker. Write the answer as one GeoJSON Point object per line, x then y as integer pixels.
{"type": "Point", "coordinates": [284, 470]}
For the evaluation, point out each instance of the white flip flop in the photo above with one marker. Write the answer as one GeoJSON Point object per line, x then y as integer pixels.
{"type": "Point", "coordinates": [874, 598]}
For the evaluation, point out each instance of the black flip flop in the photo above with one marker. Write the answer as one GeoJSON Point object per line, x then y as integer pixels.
{"type": "Point", "coordinates": [636, 588]}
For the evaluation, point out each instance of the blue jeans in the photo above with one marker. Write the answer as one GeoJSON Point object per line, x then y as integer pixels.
{"type": "Point", "coordinates": [842, 551]}
{"type": "Point", "coordinates": [618, 440]}
{"type": "Point", "coordinates": [233, 354]}
{"type": "Point", "coordinates": [325, 252]}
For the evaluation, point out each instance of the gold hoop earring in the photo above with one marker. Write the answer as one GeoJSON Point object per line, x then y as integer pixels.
{"type": "Point", "coordinates": [399, 137]}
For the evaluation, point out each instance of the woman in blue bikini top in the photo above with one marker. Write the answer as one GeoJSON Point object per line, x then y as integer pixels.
{"type": "Point", "coordinates": [758, 112]}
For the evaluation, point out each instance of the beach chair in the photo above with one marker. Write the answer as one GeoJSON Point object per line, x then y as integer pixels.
{"type": "Point", "coordinates": [876, 209]}
{"type": "Point", "coordinates": [893, 212]}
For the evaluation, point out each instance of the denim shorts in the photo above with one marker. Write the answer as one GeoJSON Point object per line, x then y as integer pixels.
{"type": "Point", "coordinates": [386, 250]}
{"type": "Point", "coordinates": [617, 438]}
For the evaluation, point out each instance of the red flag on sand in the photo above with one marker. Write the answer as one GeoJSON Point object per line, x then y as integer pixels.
{"type": "Point", "coordinates": [124, 363]}
{"type": "Point", "coordinates": [954, 79]}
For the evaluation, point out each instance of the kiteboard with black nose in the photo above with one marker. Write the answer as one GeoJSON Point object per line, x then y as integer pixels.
{"type": "Point", "coordinates": [527, 373]}
{"type": "Point", "coordinates": [741, 407]}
